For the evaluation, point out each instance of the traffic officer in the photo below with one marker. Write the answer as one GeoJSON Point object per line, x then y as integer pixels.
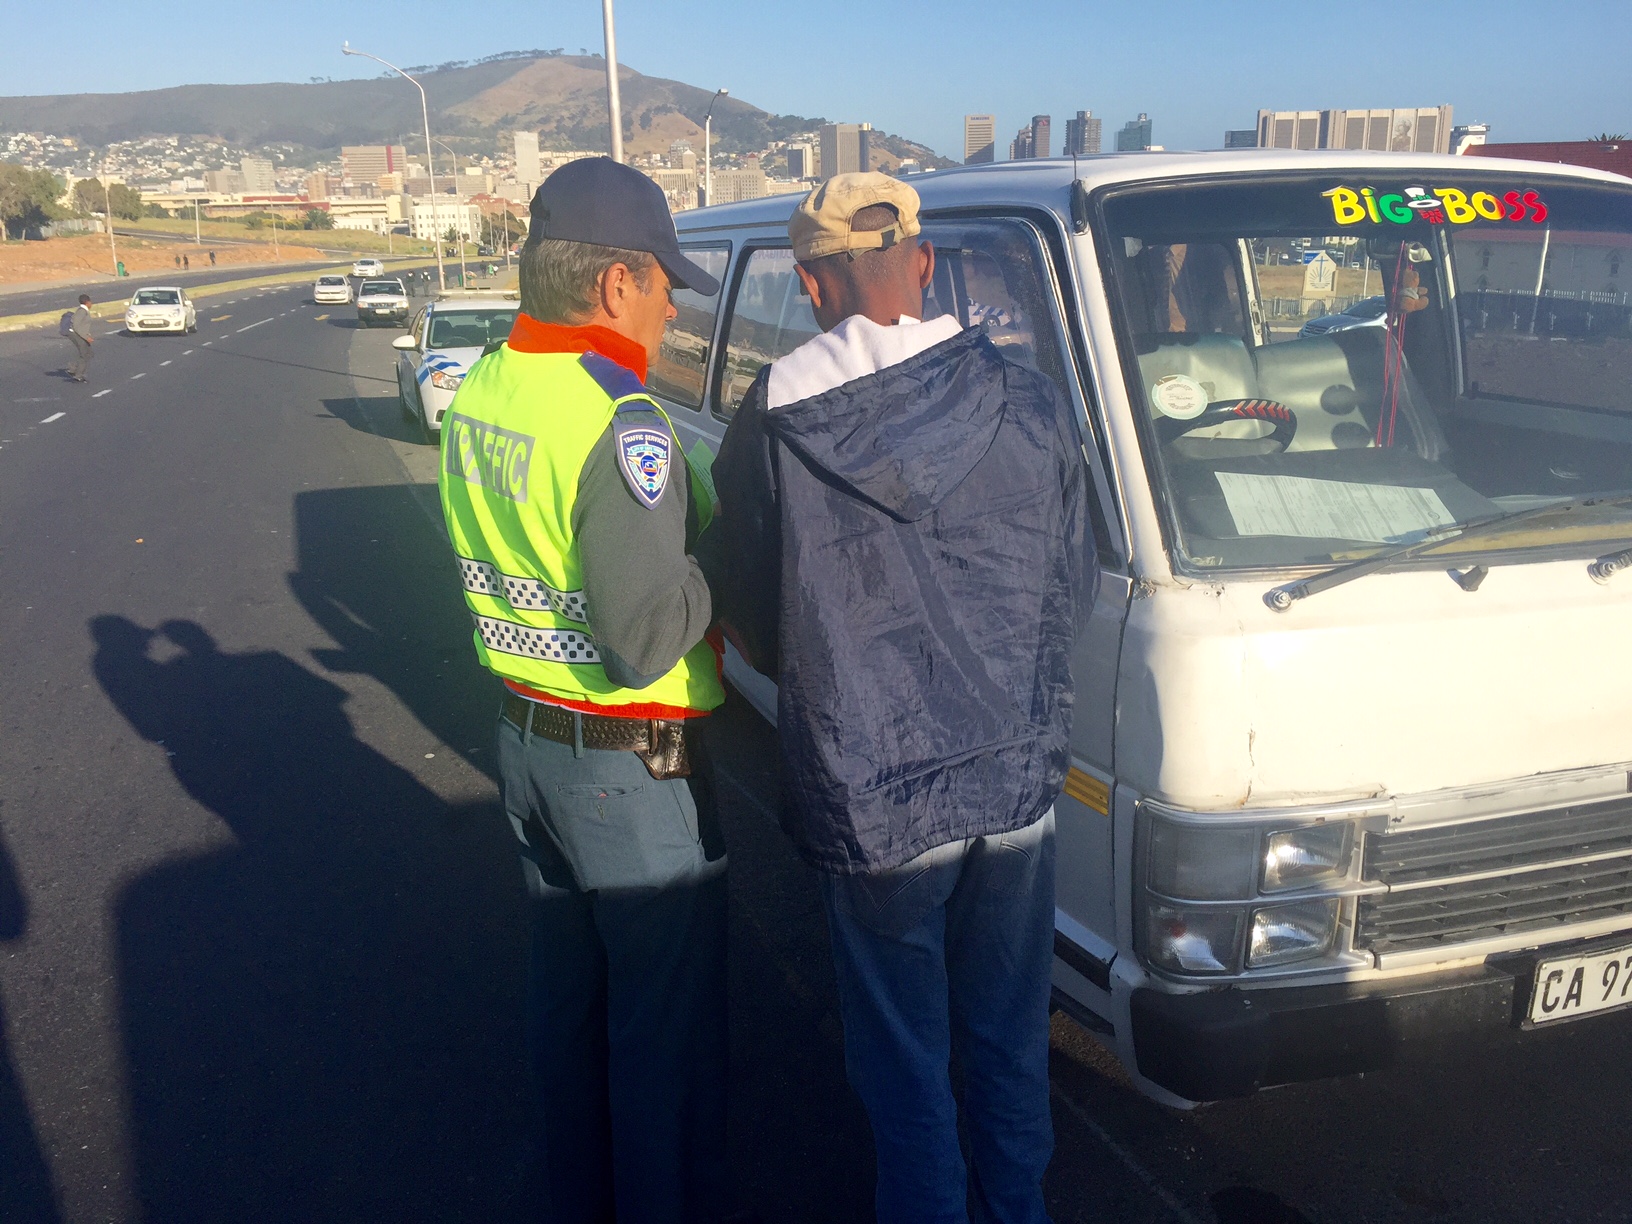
{"type": "Point", "coordinates": [573, 514]}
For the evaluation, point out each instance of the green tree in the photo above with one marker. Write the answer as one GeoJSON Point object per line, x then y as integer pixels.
{"type": "Point", "coordinates": [28, 198]}
{"type": "Point", "coordinates": [89, 196]}
{"type": "Point", "coordinates": [319, 219]}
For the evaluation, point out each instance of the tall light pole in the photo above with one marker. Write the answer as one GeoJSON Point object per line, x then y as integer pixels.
{"type": "Point", "coordinates": [708, 164]}
{"type": "Point", "coordinates": [430, 164]}
{"type": "Point", "coordinates": [458, 212]}
{"type": "Point", "coordinates": [614, 107]}
{"type": "Point", "coordinates": [107, 211]}
{"type": "Point", "coordinates": [198, 237]}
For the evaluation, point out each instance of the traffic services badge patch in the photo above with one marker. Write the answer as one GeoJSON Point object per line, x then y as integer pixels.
{"type": "Point", "coordinates": [644, 457]}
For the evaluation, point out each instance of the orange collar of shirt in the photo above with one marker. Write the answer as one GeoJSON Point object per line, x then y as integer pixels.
{"type": "Point", "coordinates": [528, 335]}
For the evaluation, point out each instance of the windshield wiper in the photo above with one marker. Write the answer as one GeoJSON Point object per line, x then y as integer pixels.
{"type": "Point", "coordinates": [1283, 597]}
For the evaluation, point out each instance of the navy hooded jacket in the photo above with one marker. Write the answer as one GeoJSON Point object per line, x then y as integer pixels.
{"type": "Point", "coordinates": [907, 554]}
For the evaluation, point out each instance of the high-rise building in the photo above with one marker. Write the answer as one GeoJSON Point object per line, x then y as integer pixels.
{"type": "Point", "coordinates": [801, 161]}
{"type": "Point", "coordinates": [224, 182]}
{"type": "Point", "coordinates": [979, 139]}
{"type": "Point", "coordinates": [1422, 129]}
{"type": "Point", "coordinates": [1020, 146]}
{"type": "Point", "coordinates": [1465, 135]}
{"type": "Point", "coordinates": [1241, 138]}
{"type": "Point", "coordinates": [365, 163]}
{"type": "Point", "coordinates": [257, 172]}
{"type": "Point", "coordinates": [1082, 138]}
{"type": "Point", "coordinates": [1040, 142]}
{"type": "Point", "coordinates": [1135, 135]}
{"type": "Point", "coordinates": [317, 185]}
{"type": "Point", "coordinates": [527, 170]}
{"type": "Point", "coordinates": [844, 148]}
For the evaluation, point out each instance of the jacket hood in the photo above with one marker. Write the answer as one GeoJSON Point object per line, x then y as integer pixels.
{"type": "Point", "coordinates": [904, 438]}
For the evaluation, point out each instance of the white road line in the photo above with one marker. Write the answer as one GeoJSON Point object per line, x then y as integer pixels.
{"type": "Point", "coordinates": [244, 329]}
{"type": "Point", "coordinates": [207, 343]}
{"type": "Point", "coordinates": [55, 416]}
{"type": "Point", "coordinates": [134, 377]}
{"type": "Point", "coordinates": [1129, 1162]}
{"type": "Point", "coordinates": [187, 353]}
{"type": "Point", "coordinates": [100, 394]}
{"type": "Point", "coordinates": [163, 363]}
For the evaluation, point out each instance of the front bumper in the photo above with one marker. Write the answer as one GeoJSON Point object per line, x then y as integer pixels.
{"type": "Point", "coordinates": [382, 312]}
{"type": "Point", "coordinates": [1232, 1042]}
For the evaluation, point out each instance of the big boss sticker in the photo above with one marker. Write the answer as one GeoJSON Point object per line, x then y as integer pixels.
{"type": "Point", "coordinates": [1435, 206]}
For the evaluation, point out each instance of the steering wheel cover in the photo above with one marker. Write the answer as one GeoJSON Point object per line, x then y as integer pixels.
{"type": "Point", "coordinates": [1284, 426]}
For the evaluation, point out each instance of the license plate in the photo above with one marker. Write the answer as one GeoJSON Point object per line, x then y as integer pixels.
{"type": "Point", "coordinates": [1571, 986]}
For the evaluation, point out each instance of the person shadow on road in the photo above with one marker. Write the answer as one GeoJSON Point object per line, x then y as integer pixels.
{"type": "Point", "coordinates": [320, 1014]}
{"type": "Point", "coordinates": [26, 1195]}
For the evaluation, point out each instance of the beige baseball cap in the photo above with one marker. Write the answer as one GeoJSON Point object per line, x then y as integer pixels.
{"type": "Point", "coordinates": [821, 224]}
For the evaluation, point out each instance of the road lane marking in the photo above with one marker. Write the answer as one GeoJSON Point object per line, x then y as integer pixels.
{"type": "Point", "coordinates": [246, 328]}
{"type": "Point", "coordinates": [188, 353]}
{"type": "Point", "coordinates": [55, 416]}
{"type": "Point", "coordinates": [1129, 1162]}
{"type": "Point", "coordinates": [163, 363]}
{"type": "Point", "coordinates": [220, 318]}
{"type": "Point", "coordinates": [100, 394]}
{"type": "Point", "coordinates": [319, 318]}
{"type": "Point", "coordinates": [134, 377]}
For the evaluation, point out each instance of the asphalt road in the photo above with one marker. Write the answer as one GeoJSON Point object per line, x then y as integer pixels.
{"type": "Point", "coordinates": [261, 944]}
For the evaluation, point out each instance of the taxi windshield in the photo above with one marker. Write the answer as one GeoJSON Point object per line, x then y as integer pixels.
{"type": "Point", "coordinates": [469, 328]}
{"type": "Point", "coordinates": [1328, 368]}
{"type": "Point", "coordinates": [158, 297]}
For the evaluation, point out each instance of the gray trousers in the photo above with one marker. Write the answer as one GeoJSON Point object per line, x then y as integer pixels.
{"type": "Point", "coordinates": [82, 356]}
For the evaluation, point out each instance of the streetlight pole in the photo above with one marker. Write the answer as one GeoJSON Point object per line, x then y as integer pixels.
{"type": "Point", "coordinates": [430, 164]}
{"type": "Point", "coordinates": [107, 211]}
{"type": "Point", "coordinates": [708, 161]}
{"type": "Point", "coordinates": [458, 213]}
{"type": "Point", "coordinates": [614, 106]}
{"type": "Point", "coordinates": [198, 238]}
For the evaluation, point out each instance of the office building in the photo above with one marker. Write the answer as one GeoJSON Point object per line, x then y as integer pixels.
{"type": "Point", "coordinates": [1135, 135]}
{"type": "Point", "coordinates": [979, 139]}
{"type": "Point", "coordinates": [730, 186]}
{"type": "Point", "coordinates": [843, 149]}
{"type": "Point", "coordinates": [1040, 141]}
{"type": "Point", "coordinates": [682, 156]}
{"type": "Point", "coordinates": [257, 172]}
{"type": "Point", "coordinates": [801, 161]}
{"type": "Point", "coordinates": [1020, 146]}
{"type": "Point", "coordinates": [433, 216]}
{"type": "Point", "coordinates": [1082, 138]}
{"type": "Point", "coordinates": [366, 163]}
{"type": "Point", "coordinates": [1423, 129]}
{"type": "Point", "coordinates": [1465, 135]}
{"type": "Point", "coordinates": [527, 158]}
{"type": "Point", "coordinates": [1241, 138]}
{"type": "Point", "coordinates": [224, 182]}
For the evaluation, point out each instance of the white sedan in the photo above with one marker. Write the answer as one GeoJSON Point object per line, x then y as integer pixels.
{"type": "Point", "coordinates": [331, 289]}
{"type": "Point", "coordinates": [447, 338]}
{"type": "Point", "coordinates": [164, 308]}
{"type": "Point", "coordinates": [368, 267]}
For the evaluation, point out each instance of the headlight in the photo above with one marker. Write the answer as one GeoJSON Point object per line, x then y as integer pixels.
{"type": "Point", "coordinates": [1193, 940]}
{"type": "Point", "coordinates": [1202, 862]}
{"type": "Point", "coordinates": [1285, 933]}
{"type": "Point", "coordinates": [445, 381]}
{"type": "Point", "coordinates": [1307, 856]}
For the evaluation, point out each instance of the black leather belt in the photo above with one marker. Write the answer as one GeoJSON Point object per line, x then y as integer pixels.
{"type": "Point", "coordinates": [665, 745]}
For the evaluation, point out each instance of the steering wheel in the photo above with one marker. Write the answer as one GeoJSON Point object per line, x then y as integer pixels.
{"type": "Point", "coordinates": [1283, 425]}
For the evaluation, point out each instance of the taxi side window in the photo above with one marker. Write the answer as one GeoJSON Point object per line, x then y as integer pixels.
{"type": "Point", "coordinates": [679, 372]}
{"type": "Point", "coordinates": [418, 325]}
{"type": "Point", "coordinates": [770, 317]}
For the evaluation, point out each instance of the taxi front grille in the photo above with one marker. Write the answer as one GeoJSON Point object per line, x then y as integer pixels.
{"type": "Point", "coordinates": [1540, 872]}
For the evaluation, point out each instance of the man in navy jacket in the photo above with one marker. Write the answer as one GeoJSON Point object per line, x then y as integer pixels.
{"type": "Point", "coordinates": [902, 544]}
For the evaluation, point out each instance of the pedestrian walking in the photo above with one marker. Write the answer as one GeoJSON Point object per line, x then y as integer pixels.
{"type": "Point", "coordinates": [571, 508]}
{"type": "Point", "coordinates": [902, 543]}
{"type": "Point", "coordinates": [79, 331]}
{"type": "Point", "coordinates": [178, 261]}
{"type": "Point", "coordinates": [212, 259]}
{"type": "Point", "coordinates": [186, 263]}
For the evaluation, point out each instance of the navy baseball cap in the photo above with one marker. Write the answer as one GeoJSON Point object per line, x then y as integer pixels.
{"type": "Point", "coordinates": [595, 199]}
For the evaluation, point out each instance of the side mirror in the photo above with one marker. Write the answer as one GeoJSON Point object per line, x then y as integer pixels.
{"type": "Point", "coordinates": [409, 341]}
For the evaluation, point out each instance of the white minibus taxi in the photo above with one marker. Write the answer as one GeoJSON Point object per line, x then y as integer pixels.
{"type": "Point", "coordinates": [1352, 758]}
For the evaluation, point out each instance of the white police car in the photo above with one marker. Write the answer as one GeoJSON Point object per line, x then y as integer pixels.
{"type": "Point", "coordinates": [446, 339]}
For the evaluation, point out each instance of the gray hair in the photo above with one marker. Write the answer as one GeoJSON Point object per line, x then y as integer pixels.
{"type": "Point", "coordinates": [560, 280]}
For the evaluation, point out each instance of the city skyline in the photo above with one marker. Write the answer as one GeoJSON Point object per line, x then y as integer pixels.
{"type": "Point", "coordinates": [118, 49]}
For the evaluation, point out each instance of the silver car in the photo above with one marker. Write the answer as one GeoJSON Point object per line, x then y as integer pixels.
{"type": "Point", "coordinates": [381, 300]}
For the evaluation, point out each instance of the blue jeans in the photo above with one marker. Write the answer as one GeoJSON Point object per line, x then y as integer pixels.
{"type": "Point", "coordinates": [626, 994]}
{"type": "Point", "coordinates": [952, 952]}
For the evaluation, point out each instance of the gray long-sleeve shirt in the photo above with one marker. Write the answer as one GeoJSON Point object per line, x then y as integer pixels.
{"type": "Point", "coordinates": [648, 602]}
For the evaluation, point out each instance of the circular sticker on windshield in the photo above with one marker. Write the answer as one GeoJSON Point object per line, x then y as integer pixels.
{"type": "Point", "coordinates": [1179, 396]}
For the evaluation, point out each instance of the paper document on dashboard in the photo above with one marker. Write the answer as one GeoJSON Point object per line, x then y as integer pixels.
{"type": "Point", "coordinates": [1330, 509]}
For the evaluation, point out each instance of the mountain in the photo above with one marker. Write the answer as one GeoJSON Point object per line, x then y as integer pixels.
{"type": "Point", "coordinates": [563, 96]}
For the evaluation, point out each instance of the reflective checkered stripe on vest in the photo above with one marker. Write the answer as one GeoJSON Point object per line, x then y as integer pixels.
{"type": "Point", "coordinates": [513, 445]}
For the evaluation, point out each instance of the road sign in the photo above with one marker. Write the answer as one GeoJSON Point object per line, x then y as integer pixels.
{"type": "Point", "coordinates": [1320, 276]}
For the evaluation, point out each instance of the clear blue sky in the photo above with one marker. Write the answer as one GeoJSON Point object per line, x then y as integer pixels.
{"type": "Point", "coordinates": [1534, 70]}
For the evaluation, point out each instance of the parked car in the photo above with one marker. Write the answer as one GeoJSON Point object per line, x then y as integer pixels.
{"type": "Point", "coordinates": [161, 308]}
{"type": "Point", "coordinates": [368, 267]}
{"type": "Point", "coordinates": [382, 301]}
{"type": "Point", "coordinates": [331, 289]}
{"type": "Point", "coordinates": [445, 340]}
{"type": "Point", "coordinates": [1367, 312]}
{"type": "Point", "coordinates": [1328, 796]}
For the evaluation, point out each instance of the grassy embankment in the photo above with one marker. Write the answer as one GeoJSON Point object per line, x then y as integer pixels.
{"type": "Point", "coordinates": [350, 242]}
